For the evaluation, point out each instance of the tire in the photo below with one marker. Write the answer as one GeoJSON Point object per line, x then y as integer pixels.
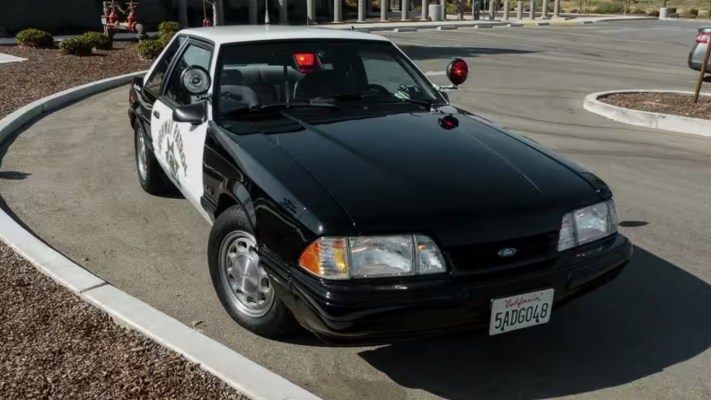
{"type": "Point", "coordinates": [238, 277]}
{"type": "Point", "coordinates": [150, 174]}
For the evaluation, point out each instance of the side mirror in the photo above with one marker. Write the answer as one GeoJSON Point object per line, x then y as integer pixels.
{"type": "Point", "coordinates": [137, 83]}
{"type": "Point", "coordinates": [457, 71]}
{"type": "Point", "coordinates": [195, 80]}
{"type": "Point", "coordinates": [195, 113]}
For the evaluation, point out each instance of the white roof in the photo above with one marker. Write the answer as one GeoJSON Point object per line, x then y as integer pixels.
{"type": "Point", "coordinates": [252, 33]}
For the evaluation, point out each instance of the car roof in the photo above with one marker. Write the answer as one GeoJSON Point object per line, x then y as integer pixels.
{"type": "Point", "coordinates": [253, 33]}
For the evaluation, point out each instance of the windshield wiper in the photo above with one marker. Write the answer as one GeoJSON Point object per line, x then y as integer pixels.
{"type": "Point", "coordinates": [374, 98]}
{"type": "Point", "coordinates": [281, 106]}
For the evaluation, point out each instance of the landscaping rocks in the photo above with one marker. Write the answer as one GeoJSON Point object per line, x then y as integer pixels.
{"type": "Point", "coordinates": [665, 103]}
{"type": "Point", "coordinates": [48, 71]}
{"type": "Point", "coordinates": [56, 346]}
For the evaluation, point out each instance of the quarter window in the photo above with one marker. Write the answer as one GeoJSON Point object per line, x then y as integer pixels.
{"type": "Point", "coordinates": [156, 80]}
{"type": "Point", "coordinates": [193, 55]}
{"type": "Point", "coordinates": [381, 68]}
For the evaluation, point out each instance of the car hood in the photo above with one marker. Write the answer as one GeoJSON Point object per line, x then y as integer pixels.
{"type": "Point", "coordinates": [404, 172]}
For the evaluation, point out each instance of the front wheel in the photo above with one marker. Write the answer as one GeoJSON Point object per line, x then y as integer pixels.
{"type": "Point", "coordinates": [241, 282]}
{"type": "Point", "coordinates": [150, 174]}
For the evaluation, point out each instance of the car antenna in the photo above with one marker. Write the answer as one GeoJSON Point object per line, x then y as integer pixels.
{"type": "Point", "coordinates": [266, 12]}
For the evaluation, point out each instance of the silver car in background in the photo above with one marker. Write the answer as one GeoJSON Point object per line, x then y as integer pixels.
{"type": "Point", "coordinates": [696, 57]}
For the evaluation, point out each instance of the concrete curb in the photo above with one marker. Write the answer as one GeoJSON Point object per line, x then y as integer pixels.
{"type": "Point", "coordinates": [674, 123]}
{"type": "Point", "coordinates": [247, 377]}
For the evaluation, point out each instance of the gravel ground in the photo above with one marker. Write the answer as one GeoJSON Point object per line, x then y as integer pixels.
{"type": "Point", "coordinates": [53, 345]}
{"type": "Point", "coordinates": [667, 103]}
{"type": "Point", "coordinates": [48, 71]}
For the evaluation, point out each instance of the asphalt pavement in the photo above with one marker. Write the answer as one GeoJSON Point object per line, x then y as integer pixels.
{"type": "Point", "coordinates": [71, 179]}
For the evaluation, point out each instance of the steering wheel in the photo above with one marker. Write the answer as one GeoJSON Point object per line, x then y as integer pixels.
{"type": "Point", "coordinates": [379, 90]}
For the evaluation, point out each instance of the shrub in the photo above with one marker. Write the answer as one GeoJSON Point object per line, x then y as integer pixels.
{"type": "Point", "coordinates": [76, 46]}
{"type": "Point", "coordinates": [452, 8]}
{"type": "Point", "coordinates": [35, 38]}
{"type": "Point", "coordinates": [609, 8]}
{"type": "Point", "coordinates": [693, 12]}
{"type": "Point", "coordinates": [168, 27]}
{"type": "Point", "coordinates": [653, 13]}
{"type": "Point", "coordinates": [671, 10]}
{"type": "Point", "coordinates": [149, 49]}
{"type": "Point", "coordinates": [673, 15]}
{"type": "Point", "coordinates": [98, 40]}
{"type": "Point", "coordinates": [638, 11]}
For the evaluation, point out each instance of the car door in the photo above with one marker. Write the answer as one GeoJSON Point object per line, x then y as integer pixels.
{"type": "Point", "coordinates": [179, 146]}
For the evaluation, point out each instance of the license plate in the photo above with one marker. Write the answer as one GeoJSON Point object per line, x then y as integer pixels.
{"type": "Point", "coordinates": [520, 311]}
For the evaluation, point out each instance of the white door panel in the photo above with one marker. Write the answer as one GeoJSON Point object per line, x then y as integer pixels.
{"type": "Point", "coordinates": [179, 148]}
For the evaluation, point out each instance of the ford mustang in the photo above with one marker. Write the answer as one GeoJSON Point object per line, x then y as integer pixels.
{"type": "Point", "coordinates": [347, 194]}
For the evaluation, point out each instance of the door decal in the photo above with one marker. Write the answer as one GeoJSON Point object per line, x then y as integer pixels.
{"type": "Point", "coordinates": [170, 144]}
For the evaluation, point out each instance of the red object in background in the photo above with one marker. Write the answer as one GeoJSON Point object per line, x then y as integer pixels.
{"type": "Point", "coordinates": [206, 22]}
{"type": "Point", "coordinates": [305, 61]}
{"type": "Point", "coordinates": [112, 16]}
{"type": "Point", "coordinates": [131, 20]}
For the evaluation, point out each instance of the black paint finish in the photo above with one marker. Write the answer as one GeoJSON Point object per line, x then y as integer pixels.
{"type": "Point", "coordinates": [474, 188]}
{"type": "Point", "coordinates": [301, 173]}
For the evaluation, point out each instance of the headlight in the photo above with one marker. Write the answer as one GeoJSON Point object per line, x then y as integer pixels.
{"type": "Point", "coordinates": [587, 224]}
{"type": "Point", "coordinates": [372, 256]}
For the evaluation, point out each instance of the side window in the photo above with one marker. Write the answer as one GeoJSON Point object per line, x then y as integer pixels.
{"type": "Point", "coordinates": [381, 68]}
{"type": "Point", "coordinates": [156, 80]}
{"type": "Point", "coordinates": [193, 55]}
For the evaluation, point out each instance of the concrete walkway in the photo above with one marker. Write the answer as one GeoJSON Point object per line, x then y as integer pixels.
{"type": "Point", "coordinates": [453, 23]}
{"type": "Point", "coordinates": [414, 24]}
{"type": "Point", "coordinates": [6, 58]}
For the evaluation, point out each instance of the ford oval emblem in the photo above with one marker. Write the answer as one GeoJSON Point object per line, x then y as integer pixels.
{"type": "Point", "coordinates": [507, 252]}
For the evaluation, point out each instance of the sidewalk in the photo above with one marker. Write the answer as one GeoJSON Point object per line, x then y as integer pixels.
{"type": "Point", "coordinates": [453, 23]}
{"type": "Point", "coordinates": [414, 23]}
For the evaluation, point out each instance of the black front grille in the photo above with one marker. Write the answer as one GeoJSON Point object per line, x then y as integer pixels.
{"type": "Point", "coordinates": [485, 257]}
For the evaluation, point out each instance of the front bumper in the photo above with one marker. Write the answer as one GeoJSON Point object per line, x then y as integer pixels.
{"type": "Point", "coordinates": [402, 309]}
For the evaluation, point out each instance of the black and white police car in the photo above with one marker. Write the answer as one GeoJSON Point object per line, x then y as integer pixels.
{"type": "Point", "coordinates": [346, 193]}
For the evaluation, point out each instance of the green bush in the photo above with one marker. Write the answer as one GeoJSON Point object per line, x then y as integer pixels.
{"type": "Point", "coordinates": [653, 13]}
{"type": "Point", "coordinates": [673, 15]}
{"type": "Point", "coordinates": [98, 40]}
{"type": "Point", "coordinates": [671, 10]}
{"type": "Point", "coordinates": [149, 49]}
{"type": "Point", "coordinates": [76, 46]}
{"type": "Point", "coordinates": [35, 38]}
{"type": "Point", "coordinates": [609, 8]}
{"type": "Point", "coordinates": [168, 27]}
{"type": "Point", "coordinates": [452, 8]}
{"type": "Point", "coordinates": [693, 12]}
{"type": "Point", "coordinates": [350, 5]}
{"type": "Point", "coordinates": [638, 11]}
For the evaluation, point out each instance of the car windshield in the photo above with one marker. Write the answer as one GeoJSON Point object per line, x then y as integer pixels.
{"type": "Point", "coordinates": [265, 76]}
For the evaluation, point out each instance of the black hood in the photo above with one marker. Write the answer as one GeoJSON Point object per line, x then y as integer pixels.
{"type": "Point", "coordinates": [404, 172]}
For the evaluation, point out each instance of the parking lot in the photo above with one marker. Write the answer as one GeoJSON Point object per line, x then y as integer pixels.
{"type": "Point", "coordinates": [71, 179]}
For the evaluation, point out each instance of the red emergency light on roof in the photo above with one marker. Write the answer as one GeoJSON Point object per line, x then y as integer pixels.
{"type": "Point", "coordinates": [305, 61]}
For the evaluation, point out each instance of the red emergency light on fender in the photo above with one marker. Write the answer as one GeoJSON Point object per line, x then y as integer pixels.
{"type": "Point", "coordinates": [305, 61]}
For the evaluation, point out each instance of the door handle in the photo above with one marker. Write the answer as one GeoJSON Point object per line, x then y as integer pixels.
{"type": "Point", "coordinates": [156, 114]}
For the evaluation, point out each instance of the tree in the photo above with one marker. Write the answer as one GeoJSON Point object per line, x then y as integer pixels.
{"type": "Point", "coordinates": [627, 6]}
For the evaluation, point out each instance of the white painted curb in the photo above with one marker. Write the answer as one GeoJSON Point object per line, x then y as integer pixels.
{"type": "Point", "coordinates": [675, 123]}
{"type": "Point", "coordinates": [247, 377]}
